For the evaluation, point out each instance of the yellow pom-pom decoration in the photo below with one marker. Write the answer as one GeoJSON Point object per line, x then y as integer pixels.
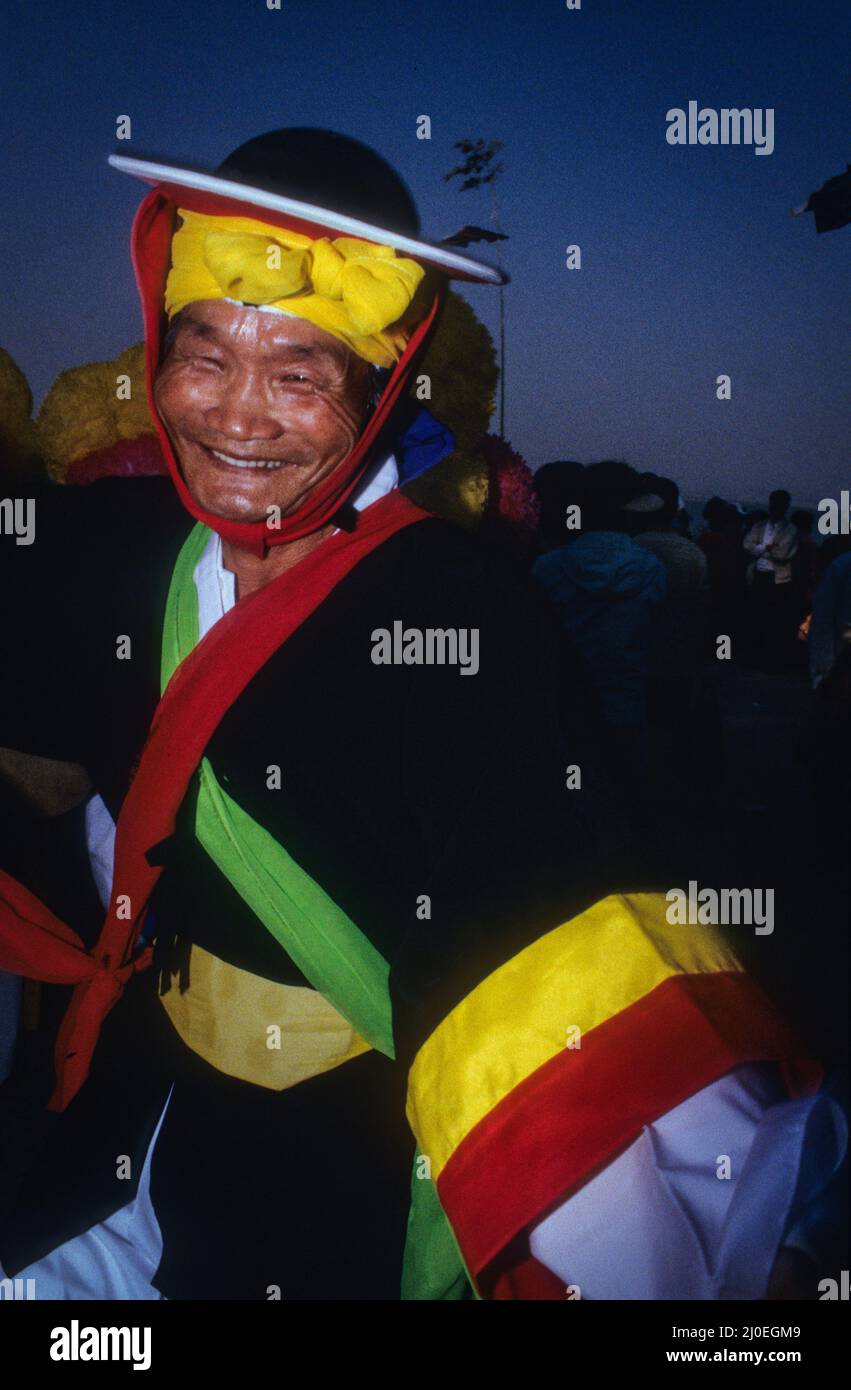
{"type": "Point", "coordinates": [459, 371]}
{"type": "Point", "coordinates": [18, 441]}
{"type": "Point", "coordinates": [91, 407]}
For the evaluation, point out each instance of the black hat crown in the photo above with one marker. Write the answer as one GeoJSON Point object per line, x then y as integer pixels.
{"type": "Point", "coordinates": [327, 170]}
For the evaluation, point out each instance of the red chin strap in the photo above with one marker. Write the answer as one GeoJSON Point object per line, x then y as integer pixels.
{"type": "Point", "coordinates": [151, 248]}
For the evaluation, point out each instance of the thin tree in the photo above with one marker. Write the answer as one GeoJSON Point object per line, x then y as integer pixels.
{"type": "Point", "coordinates": [479, 166]}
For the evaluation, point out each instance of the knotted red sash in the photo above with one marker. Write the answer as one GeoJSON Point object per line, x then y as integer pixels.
{"type": "Point", "coordinates": [33, 941]}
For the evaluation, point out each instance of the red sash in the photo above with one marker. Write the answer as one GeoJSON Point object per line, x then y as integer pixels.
{"type": "Point", "coordinates": [35, 943]}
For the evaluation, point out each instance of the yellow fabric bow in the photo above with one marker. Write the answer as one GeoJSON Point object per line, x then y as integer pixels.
{"type": "Point", "coordinates": [355, 290]}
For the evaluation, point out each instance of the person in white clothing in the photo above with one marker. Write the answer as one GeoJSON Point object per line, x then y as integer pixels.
{"type": "Point", "coordinates": [772, 543]}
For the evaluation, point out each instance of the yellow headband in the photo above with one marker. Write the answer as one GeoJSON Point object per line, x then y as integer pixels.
{"type": "Point", "coordinates": [355, 290]}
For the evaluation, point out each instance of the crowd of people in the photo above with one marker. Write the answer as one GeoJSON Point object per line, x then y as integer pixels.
{"type": "Point", "coordinates": [650, 609]}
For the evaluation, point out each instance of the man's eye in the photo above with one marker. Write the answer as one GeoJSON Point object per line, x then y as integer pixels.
{"type": "Point", "coordinates": [198, 359]}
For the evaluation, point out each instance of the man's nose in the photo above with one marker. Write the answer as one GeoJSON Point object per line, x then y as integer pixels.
{"type": "Point", "coordinates": [241, 412]}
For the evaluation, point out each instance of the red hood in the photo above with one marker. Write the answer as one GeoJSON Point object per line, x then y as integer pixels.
{"type": "Point", "coordinates": [151, 248]}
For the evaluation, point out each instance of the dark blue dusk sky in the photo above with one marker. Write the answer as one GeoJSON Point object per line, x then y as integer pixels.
{"type": "Point", "coordinates": [692, 265]}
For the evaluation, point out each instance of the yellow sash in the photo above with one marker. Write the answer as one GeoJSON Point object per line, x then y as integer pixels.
{"type": "Point", "coordinates": [270, 1034]}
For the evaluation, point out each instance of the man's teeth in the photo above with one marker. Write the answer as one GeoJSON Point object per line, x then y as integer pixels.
{"type": "Point", "coordinates": [248, 463]}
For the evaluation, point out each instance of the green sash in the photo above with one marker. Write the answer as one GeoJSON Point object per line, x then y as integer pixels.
{"type": "Point", "coordinates": [326, 945]}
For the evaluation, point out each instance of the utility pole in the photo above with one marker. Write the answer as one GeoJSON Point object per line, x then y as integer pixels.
{"type": "Point", "coordinates": [479, 167]}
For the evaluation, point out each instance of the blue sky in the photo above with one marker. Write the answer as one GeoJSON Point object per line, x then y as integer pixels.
{"type": "Point", "coordinates": [692, 266]}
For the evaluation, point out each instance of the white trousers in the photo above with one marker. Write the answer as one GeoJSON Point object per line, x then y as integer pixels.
{"type": "Point", "coordinates": [699, 1205]}
{"type": "Point", "coordinates": [115, 1259]}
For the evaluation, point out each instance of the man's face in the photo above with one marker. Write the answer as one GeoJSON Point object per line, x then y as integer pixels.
{"type": "Point", "coordinates": [260, 407]}
{"type": "Point", "coordinates": [778, 505]}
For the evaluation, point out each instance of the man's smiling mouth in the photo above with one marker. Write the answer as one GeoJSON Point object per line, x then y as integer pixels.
{"type": "Point", "coordinates": [233, 462]}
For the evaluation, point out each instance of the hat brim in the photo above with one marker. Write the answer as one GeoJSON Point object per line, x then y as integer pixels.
{"type": "Point", "coordinates": [176, 178]}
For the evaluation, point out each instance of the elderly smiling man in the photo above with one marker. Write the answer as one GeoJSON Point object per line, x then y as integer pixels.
{"type": "Point", "coordinates": [367, 1016]}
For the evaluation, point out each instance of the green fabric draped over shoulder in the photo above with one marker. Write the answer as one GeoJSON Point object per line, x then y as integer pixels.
{"type": "Point", "coordinates": [326, 945]}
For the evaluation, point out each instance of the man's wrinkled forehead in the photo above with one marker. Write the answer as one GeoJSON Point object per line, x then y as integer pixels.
{"type": "Point", "coordinates": [275, 334]}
